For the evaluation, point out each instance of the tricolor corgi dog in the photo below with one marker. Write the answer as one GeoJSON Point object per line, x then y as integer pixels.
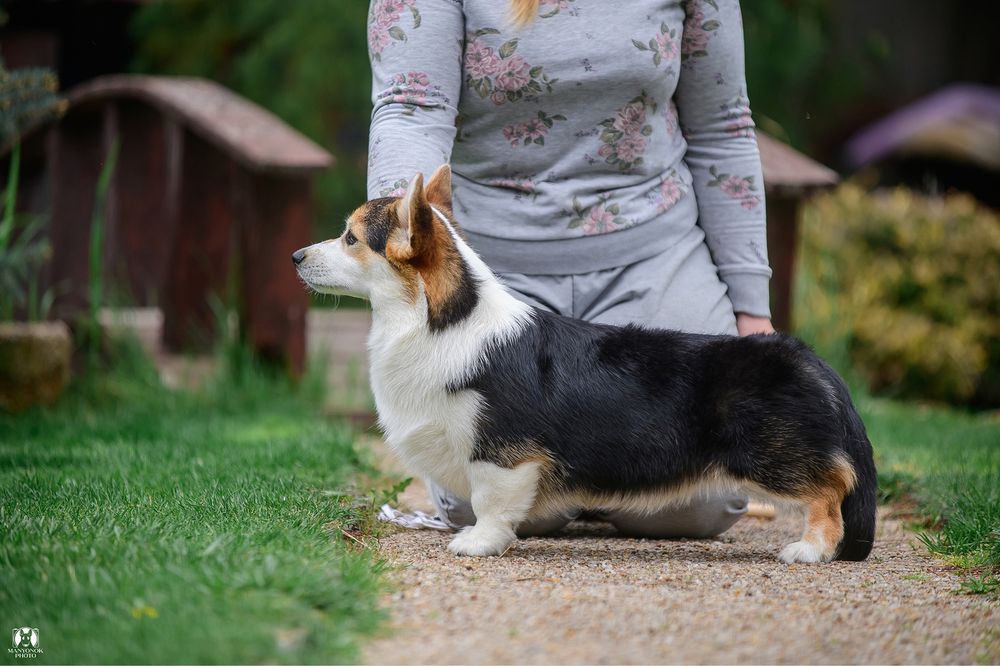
{"type": "Point", "coordinates": [527, 413]}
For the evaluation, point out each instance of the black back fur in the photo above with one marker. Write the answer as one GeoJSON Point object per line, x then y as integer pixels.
{"type": "Point", "coordinates": [628, 409]}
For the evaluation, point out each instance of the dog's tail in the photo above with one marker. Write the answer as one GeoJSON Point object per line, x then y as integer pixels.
{"type": "Point", "coordinates": [858, 508]}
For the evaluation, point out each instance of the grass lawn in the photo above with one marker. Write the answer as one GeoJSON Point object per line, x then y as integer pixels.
{"type": "Point", "coordinates": [145, 525]}
{"type": "Point", "coordinates": [949, 462]}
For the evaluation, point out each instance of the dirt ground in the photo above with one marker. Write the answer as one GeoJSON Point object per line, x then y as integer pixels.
{"type": "Point", "coordinates": [588, 596]}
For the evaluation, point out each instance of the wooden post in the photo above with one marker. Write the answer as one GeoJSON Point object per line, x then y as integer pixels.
{"type": "Point", "coordinates": [782, 243]}
{"type": "Point", "coordinates": [199, 259]}
{"type": "Point", "coordinates": [75, 154]}
{"type": "Point", "coordinates": [275, 303]}
{"type": "Point", "coordinates": [143, 227]}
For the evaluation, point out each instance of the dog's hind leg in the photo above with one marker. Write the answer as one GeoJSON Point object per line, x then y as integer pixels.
{"type": "Point", "coordinates": [501, 499]}
{"type": "Point", "coordinates": [823, 530]}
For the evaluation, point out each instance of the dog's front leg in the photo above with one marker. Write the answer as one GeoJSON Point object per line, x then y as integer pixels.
{"type": "Point", "coordinates": [501, 499]}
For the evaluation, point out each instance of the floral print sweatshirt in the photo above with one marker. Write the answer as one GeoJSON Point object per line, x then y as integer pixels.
{"type": "Point", "coordinates": [597, 136]}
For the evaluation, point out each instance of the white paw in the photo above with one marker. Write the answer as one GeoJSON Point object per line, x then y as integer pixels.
{"type": "Point", "coordinates": [800, 551]}
{"type": "Point", "coordinates": [480, 543]}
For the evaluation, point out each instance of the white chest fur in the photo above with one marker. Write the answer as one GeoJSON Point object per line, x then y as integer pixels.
{"type": "Point", "coordinates": [431, 428]}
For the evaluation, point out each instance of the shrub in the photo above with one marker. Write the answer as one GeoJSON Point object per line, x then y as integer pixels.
{"type": "Point", "coordinates": [913, 285]}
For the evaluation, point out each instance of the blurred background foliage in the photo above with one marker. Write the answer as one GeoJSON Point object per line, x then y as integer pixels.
{"type": "Point", "coordinates": [304, 60]}
{"type": "Point", "coordinates": [794, 71]}
{"type": "Point", "coordinates": [909, 287]}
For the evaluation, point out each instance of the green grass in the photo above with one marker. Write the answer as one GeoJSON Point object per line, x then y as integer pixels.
{"type": "Point", "coordinates": [146, 525]}
{"type": "Point", "coordinates": [948, 462]}
{"type": "Point", "coordinates": [944, 461]}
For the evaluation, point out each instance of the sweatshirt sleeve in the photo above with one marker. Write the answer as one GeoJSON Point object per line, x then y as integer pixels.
{"type": "Point", "coordinates": [714, 114]}
{"type": "Point", "coordinates": [415, 48]}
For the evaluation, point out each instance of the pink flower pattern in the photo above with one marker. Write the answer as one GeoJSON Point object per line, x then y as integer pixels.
{"type": "Point", "coordinates": [397, 189]}
{"type": "Point", "coordinates": [670, 118]}
{"type": "Point", "coordinates": [500, 75]}
{"type": "Point", "coordinates": [598, 218]}
{"type": "Point", "coordinates": [494, 70]}
{"type": "Point", "coordinates": [520, 183]}
{"type": "Point", "coordinates": [549, 8]}
{"type": "Point", "coordinates": [383, 24]}
{"type": "Point", "coordinates": [663, 46]}
{"type": "Point", "coordinates": [413, 90]}
{"type": "Point", "coordinates": [737, 115]}
{"type": "Point", "coordinates": [697, 30]}
{"type": "Point", "coordinates": [624, 136]}
{"type": "Point", "coordinates": [531, 131]}
{"type": "Point", "coordinates": [668, 192]}
{"type": "Point", "coordinates": [738, 188]}
{"type": "Point", "coordinates": [521, 186]}
{"type": "Point", "coordinates": [480, 61]}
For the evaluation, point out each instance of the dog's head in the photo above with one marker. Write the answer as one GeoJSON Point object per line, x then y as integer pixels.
{"type": "Point", "coordinates": [398, 250]}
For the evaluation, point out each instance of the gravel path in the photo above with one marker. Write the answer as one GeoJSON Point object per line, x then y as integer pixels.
{"type": "Point", "coordinates": [588, 596]}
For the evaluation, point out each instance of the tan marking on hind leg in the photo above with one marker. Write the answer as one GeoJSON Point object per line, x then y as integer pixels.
{"type": "Point", "coordinates": [824, 525]}
{"type": "Point", "coordinates": [823, 530]}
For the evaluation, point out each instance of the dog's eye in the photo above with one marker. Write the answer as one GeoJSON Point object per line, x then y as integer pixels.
{"type": "Point", "coordinates": [350, 238]}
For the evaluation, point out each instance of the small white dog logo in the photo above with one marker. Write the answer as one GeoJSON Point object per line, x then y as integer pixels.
{"type": "Point", "coordinates": [25, 637]}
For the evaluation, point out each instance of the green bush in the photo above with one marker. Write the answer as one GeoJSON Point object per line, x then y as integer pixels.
{"type": "Point", "coordinates": [913, 285]}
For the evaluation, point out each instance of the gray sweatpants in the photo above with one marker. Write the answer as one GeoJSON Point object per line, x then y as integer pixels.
{"type": "Point", "coordinates": [678, 289]}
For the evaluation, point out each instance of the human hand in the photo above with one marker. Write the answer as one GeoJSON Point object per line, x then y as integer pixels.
{"type": "Point", "coordinates": [747, 324]}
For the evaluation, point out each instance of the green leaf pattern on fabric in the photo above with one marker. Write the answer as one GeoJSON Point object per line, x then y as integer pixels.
{"type": "Point", "coordinates": [383, 24]}
{"type": "Point", "coordinates": [624, 136]}
{"type": "Point", "coordinates": [500, 74]}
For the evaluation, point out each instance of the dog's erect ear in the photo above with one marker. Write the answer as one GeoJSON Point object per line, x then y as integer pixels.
{"type": "Point", "coordinates": [416, 220]}
{"type": "Point", "coordinates": [439, 187]}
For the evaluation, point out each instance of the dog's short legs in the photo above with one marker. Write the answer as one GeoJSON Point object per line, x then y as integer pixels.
{"type": "Point", "coordinates": [823, 531]}
{"type": "Point", "coordinates": [501, 499]}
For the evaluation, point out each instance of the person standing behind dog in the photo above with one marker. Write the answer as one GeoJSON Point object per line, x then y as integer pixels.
{"type": "Point", "coordinates": [604, 165]}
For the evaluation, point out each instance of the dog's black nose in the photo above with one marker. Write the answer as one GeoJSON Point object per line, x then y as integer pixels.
{"type": "Point", "coordinates": [298, 256]}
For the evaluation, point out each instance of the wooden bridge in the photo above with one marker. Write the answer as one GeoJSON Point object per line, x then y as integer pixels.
{"type": "Point", "coordinates": [211, 194]}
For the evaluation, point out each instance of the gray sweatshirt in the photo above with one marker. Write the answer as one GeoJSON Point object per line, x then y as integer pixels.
{"type": "Point", "coordinates": [595, 137]}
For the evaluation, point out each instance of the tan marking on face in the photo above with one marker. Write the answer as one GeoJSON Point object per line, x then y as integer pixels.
{"type": "Point", "coordinates": [357, 226]}
{"type": "Point", "coordinates": [441, 270]}
{"type": "Point", "coordinates": [435, 259]}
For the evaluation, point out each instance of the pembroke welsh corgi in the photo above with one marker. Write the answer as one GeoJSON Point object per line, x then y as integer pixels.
{"type": "Point", "coordinates": [527, 413]}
